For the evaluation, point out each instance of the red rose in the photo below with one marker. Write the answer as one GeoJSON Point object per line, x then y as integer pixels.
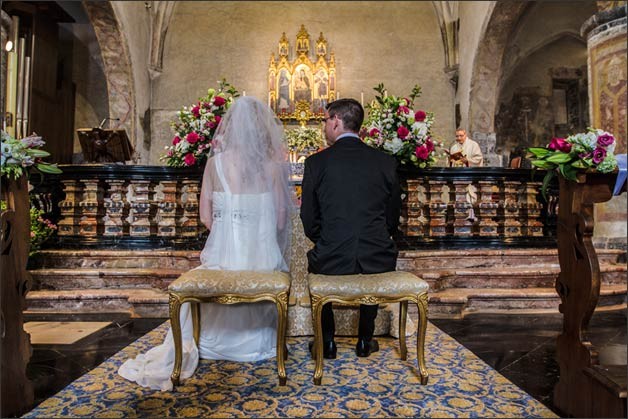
{"type": "Point", "coordinates": [403, 110]}
{"type": "Point", "coordinates": [218, 119]}
{"type": "Point", "coordinates": [430, 145]}
{"type": "Point", "coordinates": [219, 101]}
{"type": "Point", "coordinates": [420, 116]}
{"type": "Point", "coordinates": [196, 111]}
{"type": "Point", "coordinates": [176, 140]}
{"type": "Point", "coordinates": [422, 152]}
{"type": "Point", "coordinates": [559, 144]}
{"type": "Point", "coordinates": [189, 159]}
{"type": "Point", "coordinates": [192, 137]}
{"type": "Point", "coordinates": [373, 132]}
{"type": "Point", "coordinates": [402, 132]}
{"type": "Point", "coordinates": [210, 124]}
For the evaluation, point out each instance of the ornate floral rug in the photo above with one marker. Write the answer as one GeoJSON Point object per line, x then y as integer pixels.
{"type": "Point", "coordinates": [460, 385]}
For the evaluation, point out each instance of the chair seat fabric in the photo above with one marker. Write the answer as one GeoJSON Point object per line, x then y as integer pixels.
{"type": "Point", "coordinates": [396, 283]}
{"type": "Point", "coordinates": [207, 282]}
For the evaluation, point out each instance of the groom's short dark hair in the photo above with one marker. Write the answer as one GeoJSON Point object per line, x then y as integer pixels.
{"type": "Point", "coordinates": [349, 111]}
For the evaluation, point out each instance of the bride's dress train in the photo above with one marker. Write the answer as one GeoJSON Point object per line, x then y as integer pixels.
{"type": "Point", "coordinates": [243, 237]}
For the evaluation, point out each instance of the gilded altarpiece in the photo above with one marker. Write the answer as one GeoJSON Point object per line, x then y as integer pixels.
{"type": "Point", "coordinates": [301, 81]}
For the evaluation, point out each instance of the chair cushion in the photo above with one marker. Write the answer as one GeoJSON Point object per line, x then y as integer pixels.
{"type": "Point", "coordinates": [206, 282]}
{"type": "Point", "coordinates": [396, 283]}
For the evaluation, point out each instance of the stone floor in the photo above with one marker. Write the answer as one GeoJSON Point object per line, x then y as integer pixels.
{"type": "Point", "coordinates": [520, 347]}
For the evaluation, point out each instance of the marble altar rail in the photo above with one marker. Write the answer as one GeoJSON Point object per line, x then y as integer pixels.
{"type": "Point", "coordinates": [157, 207]}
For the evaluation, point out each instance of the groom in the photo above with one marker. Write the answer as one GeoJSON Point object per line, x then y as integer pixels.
{"type": "Point", "coordinates": [350, 208]}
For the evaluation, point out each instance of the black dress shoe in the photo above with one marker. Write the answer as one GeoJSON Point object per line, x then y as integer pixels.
{"type": "Point", "coordinates": [366, 347]}
{"type": "Point", "coordinates": [329, 349]}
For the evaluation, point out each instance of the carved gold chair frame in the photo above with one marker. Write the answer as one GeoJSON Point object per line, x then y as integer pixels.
{"type": "Point", "coordinates": [176, 300]}
{"type": "Point", "coordinates": [420, 300]}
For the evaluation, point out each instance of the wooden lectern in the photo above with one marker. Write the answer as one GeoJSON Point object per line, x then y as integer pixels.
{"type": "Point", "coordinates": [104, 145]}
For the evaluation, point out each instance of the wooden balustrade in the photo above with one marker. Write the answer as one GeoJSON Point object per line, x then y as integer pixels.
{"type": "Point", "coordinates": [156, 206]}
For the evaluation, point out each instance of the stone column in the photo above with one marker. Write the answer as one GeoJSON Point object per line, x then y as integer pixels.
{"type": "Point", "coordinates": [5, 29]}
{"type": "Point", "coordinates": [415, 222]}
{"type": "Point", "coordinates": [606, 45]}
{"type": "Point", "coordinates": [437, 209]}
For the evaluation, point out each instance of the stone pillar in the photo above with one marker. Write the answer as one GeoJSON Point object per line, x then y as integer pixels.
{"type": "Point", "coordinates": [188, 223]}
{"type": "Point", "coordinates": [69, 221]}
{"type": "Point", "coordinates": [512, 225]}
{"type": "Point", "coordinates": [438, 209]}
{"type": "Point", "coordinates": [488, 210]}
{"type": "Point", "coordinates": [114, 208]}
{"type": "Point", "coordinates": [91, 214]}
{"type": "Point", "coordinates": [606, 45]}
{"type": "Point", "coordinates": [139, 217]}
{"type": "Point", "coordinates": [5, 30]}
{"type": "Point", "coordinates": [415, 223]}
{"type": "Point", "coordinates": [462, 224]}
{"type": "Point", "coordinates": [166, 208]}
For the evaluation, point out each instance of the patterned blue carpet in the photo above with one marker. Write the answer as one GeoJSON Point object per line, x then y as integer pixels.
{"type": "Point", "coordinates": [460, 385]}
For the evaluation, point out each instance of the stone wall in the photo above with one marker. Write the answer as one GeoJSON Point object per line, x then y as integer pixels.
{"type": "Point", "coordinates": [397, 43]}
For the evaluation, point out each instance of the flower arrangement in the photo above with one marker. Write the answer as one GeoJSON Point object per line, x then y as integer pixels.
{"type": "Point", "coordinates": [396, 128]}
{"type": "Point", "coordinates": [17, 155]}
{"type": "Point", "coordinates": [41, 228]}
{"type": "Point", "coordinates": [591, 150]}
{"type": "Point", "coordinates": [303, 138]}
{"type": "Point", "coordinates": [196, 125]}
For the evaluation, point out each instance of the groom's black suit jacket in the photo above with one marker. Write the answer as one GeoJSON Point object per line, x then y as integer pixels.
{"type": "Point", "coordinates": [350, 208]}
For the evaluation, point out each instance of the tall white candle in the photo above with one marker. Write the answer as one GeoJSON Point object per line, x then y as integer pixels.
{"type": "Point", "coordinates": [337, 94]}
{"type": "Point", "coordinates": [243, 92]}
{"type": "Point", "coordinates": [362, 98]}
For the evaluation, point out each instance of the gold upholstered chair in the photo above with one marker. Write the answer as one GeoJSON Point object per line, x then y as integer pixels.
{"type": "Point", "coordinates": [228, 287]}
{"type": "Point", "coordinates": [387, 287]}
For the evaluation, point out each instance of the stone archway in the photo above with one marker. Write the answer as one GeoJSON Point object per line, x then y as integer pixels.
{"type": "Point", "coordinates": [117, 66]}
{"type": "Point", "coordinates": [487, 66]}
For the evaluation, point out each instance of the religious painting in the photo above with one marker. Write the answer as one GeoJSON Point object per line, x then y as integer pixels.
{"type": "Point", "coordinates": [321, 88]}
{"type": "Point", "coordinates": [300, 87]}
{"type": "Point", "coordinates": [283, 90]}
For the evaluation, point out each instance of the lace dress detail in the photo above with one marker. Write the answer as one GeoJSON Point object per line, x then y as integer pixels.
{"type": "Point", "coordinates": [242, 237]}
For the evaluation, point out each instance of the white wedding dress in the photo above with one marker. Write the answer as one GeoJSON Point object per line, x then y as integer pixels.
{"type": "Point", "coordinates": [243, 237]}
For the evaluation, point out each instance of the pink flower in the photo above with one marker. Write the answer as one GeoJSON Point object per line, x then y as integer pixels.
{"type": "Point", "coordinates": [176, 140]}
{"type": "Point", "coordinates": [420, 116]}
{"type": "Point", "coordinates": [210, 124]}
{"type": "Point", "coordinates": [605, 140]}
{"type": "Point", "coordinates": [219, 101]}
{"type": "Point", "coordinates": [218, 119]}
{"type": "Point", "coordinates": [599, 154]}
{"type": "Point", "coordinates": [189, 159]}
{"type": "Point", "coordinates": [373, 132]}
{"type": "Point", "coordinates": [170, 153]}
{"type": "Point", "coordinates": [192, 137]}
{"type": "Point", "coordinates": [403, 110]}
{"type": "Point", "coordinates": [559, 144]}
{"type": "Point", "coordinates": [402, 132]}
{"type": "Point", "coordinates": [32, 234]}
{"type": "Point", "coordinates": [430, 145]}
{"type": "Point", "coordinates": [422, 152]}
{"type": "Point", "coordinates": [196, 111]}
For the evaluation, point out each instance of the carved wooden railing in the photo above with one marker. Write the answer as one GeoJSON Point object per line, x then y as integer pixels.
{"type": "Point", "coordinates": [585, 388]}
{"type": "Point", "coordinates": [157, 206]}
{"type": "Point", "coordinates": [17, 390]}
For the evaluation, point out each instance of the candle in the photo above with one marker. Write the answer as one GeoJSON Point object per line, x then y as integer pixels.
{"type": "Point", "coordinates": [362, 98]}
{"type": "Point", "coordinates": [268, 98]}
{"type": "Point", "coordinates": [385, 93]}
{"type": "Point", "coordinates": [243, 92]}
{"type": "Point", "coordinates": [337, 94]}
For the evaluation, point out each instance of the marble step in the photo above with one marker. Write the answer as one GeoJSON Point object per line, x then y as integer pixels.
{"type": "Point", "coordinates": [89, 278]}
{"type": "Point", "coordinates": [458, 302]}
{"type": "Point", "coordinates": [408, 260]}
{"type": "Point", "coordinates": [449, 303]}
{"type": "Point", "coordinates": [511, 277]}
{"type": "Point", "coordinates": [492, 258]}
{"type": "Point", "coordinates": [159, 278]}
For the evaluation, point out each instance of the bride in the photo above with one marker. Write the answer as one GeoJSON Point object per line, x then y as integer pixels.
{"type": "Point", "coordinates": [246, 201]}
